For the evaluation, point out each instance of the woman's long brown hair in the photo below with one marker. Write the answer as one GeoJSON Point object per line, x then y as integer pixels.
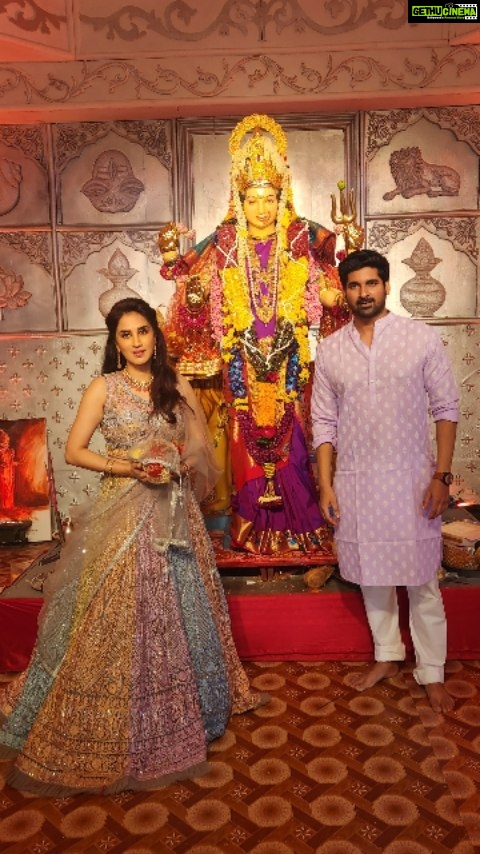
{"type": "Point", "coordinates": [164, 392]}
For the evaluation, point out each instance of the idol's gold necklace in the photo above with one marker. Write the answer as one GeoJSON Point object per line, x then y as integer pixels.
{"type": "Point", "coordinates": [262, 284]}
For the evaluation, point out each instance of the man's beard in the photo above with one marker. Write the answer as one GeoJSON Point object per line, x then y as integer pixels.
{"type": "Point", "coordinates": [368, 309]}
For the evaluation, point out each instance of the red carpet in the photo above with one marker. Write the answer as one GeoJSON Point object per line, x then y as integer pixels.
{"type": "Point", "coordinates": [332, 625]}
{"type": "Point", "coordinates": [299, 626]}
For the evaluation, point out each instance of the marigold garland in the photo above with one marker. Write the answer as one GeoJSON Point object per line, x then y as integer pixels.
{"type": "Point", "coordinates": [295, 296]}
{"type": "Point", "coordinates": [295, 291]}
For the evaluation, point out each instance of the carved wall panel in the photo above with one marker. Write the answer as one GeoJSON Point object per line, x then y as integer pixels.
{"type": "Point", "coordinates": [455, 243]}
{"type": "Point", "coordinates": [88, 275]}
{"type": "Point", "coordinates": [113, 173]}
{"type": "Point", "coordinates": [381, 127]}
{"type": "Point", "coordinates": [113, 28]}
{"type": "Point", "coordinates": [119, 29]}
{"type": "Point", "coordinates": [28, 298]}
{"type": "Point", "coordinates": [423, 168]}
{"type": "Point", "coordinates": [24, 187]}
{"type": "Point", "coordinates": [422, 177]}
{"type": "Point", "coordinates": [39, 23]}
{"type": "Point", "coordinates": [463, 344]}
{"type": "Point", "coordinates": [176, 86]}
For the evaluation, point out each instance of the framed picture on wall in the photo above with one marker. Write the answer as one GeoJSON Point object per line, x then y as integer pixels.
{"type": "Point", "coordinates": [25, 489]}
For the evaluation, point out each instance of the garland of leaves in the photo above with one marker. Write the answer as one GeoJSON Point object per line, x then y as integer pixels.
{"type": "Point", "coordinates": [266, 367]}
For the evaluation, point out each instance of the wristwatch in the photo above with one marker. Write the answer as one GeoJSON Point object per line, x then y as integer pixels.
{"type": "Point", "coordinates": [445, 476]}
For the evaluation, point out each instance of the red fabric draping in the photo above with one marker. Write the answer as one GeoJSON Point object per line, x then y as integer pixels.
{"type": "Point", "coordinates": [18, 632]}
{"type": "Point", "coordinates": [332, 626]}
{"type": "Point", "coordinates": [280, 627]}
{"type": "Point", "coordinates": [295, 627]}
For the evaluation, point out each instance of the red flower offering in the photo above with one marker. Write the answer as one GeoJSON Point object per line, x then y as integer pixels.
{"type": "Point", "coordinates": [155, 471]}
{"type": "Point", "coordinates": [266, 432]}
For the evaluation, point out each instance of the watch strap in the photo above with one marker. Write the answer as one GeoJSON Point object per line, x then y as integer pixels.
{"type": "Point", "coordinates": [445, 476]}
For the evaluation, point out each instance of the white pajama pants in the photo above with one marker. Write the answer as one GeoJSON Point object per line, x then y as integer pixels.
{"type": "Point", "coordinates": [428, 628]}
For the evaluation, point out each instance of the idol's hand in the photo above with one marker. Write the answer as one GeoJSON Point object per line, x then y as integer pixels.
{"type": "Point", "coordinates": [330, 296]}
{"type": "Point", "coordinates": [329, 505]}
{"type": "Point", "coordinates": [435, 499]}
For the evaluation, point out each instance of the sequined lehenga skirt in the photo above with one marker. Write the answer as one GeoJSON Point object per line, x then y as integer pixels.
{"type": "Point", "coordinates": [135, 670]}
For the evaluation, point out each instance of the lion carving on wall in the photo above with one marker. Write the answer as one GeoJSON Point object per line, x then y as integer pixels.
{"type": "Point", "coordinates": [413, 176]}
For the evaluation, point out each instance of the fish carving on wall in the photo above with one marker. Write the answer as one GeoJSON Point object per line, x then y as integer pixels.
{"type": "Point", "coordinates": [10, 182]}
{"type": "Point", "coordinates": [113, 187]}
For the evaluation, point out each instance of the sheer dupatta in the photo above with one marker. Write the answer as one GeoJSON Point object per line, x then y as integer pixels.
{"type": "Point", "coordinates": [188, 464]}
{"type": "Point", "coordinates": [197, 452]}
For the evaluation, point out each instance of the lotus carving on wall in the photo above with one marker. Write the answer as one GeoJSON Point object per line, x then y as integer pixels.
{"type": "Point", "coordinates": [12, 292]}
{"type": "Point", "coordinates": [10, 181]}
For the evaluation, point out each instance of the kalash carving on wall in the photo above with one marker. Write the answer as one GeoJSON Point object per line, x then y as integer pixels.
{"type": "Point", "coordinates": [238, 328]}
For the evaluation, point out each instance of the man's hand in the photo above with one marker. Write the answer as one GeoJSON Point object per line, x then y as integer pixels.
{"type": "Point", "coordinates": [435, 498]}
{"type": "Point", "coordinates": [329, 505]}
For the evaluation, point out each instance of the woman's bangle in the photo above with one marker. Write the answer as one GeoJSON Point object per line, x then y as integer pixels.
{"type": "Point", "coordinates": [108, 470]}
{"type": "Point", "coordinates": [185, 470]}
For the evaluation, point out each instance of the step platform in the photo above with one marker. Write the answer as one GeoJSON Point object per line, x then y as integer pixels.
{"type": "Point", "coordinates": [278, 619]}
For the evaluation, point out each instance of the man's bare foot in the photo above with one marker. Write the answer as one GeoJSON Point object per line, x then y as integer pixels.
{"type": "Point", "coordinates": [380, 670]}
{"type": "Point", "coordinates": [440, 699]}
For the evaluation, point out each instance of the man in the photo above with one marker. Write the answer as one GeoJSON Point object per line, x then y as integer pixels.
{"type": "Point", "coordinates": [369, 402]}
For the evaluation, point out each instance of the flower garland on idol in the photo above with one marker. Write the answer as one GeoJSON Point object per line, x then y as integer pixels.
{"type": "Point", "coordinates": [295, 300]}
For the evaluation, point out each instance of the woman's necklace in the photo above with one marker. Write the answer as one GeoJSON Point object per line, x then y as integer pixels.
{"type": "Point", "coordinates": [141, 385]}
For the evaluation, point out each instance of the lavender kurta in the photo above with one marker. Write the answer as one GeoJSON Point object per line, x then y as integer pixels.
{"type": "Point", "coordinates": [370, 404]}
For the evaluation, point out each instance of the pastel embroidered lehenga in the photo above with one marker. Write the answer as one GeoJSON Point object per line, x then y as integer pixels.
{"type": "Point", "coordinates": [135, 669]}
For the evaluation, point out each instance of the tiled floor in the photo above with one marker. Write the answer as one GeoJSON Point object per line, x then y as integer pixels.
{"type": "Point", "coordinates": [319, 769]}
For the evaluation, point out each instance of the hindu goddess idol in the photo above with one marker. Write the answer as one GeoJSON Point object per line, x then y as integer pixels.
{"type": "Point", "coordinates": [245, 300]}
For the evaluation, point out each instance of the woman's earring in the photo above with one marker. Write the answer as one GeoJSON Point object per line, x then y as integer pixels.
{"type": "Point", "coordinates": [119, 361]}
{"type": "Point", "coordinates": [155, 351]}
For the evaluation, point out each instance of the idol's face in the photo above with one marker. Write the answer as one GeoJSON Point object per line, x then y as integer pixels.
{"type": "Point", "coordinates": [260, 207]}
{"type": "Point", "coordinates": [135, 339]}
{"type": "Point", "coordinates": [366, 293]}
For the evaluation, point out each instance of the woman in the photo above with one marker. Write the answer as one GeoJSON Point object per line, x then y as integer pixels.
{"type": "Point", "coordinates": [135, 669]}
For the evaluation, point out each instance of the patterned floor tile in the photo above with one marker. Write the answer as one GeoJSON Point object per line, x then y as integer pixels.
{"type": "Point", "coordinates": [321, 768]}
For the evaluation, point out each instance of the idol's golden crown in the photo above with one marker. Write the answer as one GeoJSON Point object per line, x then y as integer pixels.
{"type": "Point", "coordinates": [260, 160]}
{"type": "Point", "coordinates": [259, 168]}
